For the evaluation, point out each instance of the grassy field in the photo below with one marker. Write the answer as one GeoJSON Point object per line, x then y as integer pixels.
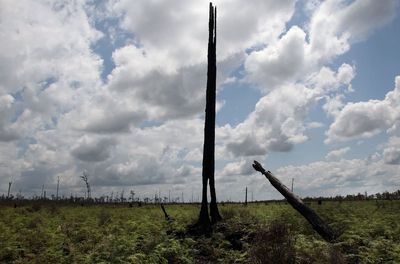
{"type": "Point", "coordinates": [258, 233]}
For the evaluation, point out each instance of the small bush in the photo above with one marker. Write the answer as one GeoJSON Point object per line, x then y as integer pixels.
{"type": "Point", "coordinates": [104, 217]}
{"type": "Point", "coordinates": [274, 244]}
{"type": "Point", "coordinates": [34, 222]}
{"type": "Point", "coordinates": [335, 256]}
{"type": "Point", "coordinates": [228, 213]}
{"type": "Point", "coordinates": [34, 208]}
{"type": "Point", "coordinates": [171, 251]}
{"type": "Point", "coordinates": [53, 209]}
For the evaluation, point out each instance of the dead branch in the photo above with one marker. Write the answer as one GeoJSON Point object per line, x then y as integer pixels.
{"type": "Point", "coordinates": [165, 213]}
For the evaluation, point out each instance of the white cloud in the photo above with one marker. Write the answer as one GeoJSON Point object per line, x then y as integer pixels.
{"type": "Point", "coordinates": [242, 167]}
{"type": "Point", "coordinates": [8, 160]}
{"type": "Point", "coordinates": [194, 155]}
{"type": "Point", "coordinates": [314, 125]}
{"type": "Point", "coordinates": [41, 66]}
{"type": "Point", "coordinates": [391, 153]}
{"type": "Point", "coordinates": [278, 121]}
{"type": "Point", "coordinates": [181, 36]}
{"type": "Point", "coordinates": [326, 80]}
{"type": "Point", "coordinates": [164, 72]}
{"type": "Point", "coordinates": [7, 132]}
{"type": "Point", "coordinates": [366, 119]}
{"type": "Point", "coordinates": [335, 25]}
{"type": "Point", "coordinates": [93, 150]}
{"type": "Point", "coordinates": [337, 153]}
{"type": "Point", "coordinates": [143, 82]}
{"type": "Point", "coordinates": [333, 105]}
{"type": "Point", "coordinates": [279, 62]}
{"type": "Point", "coordinates": [35, 46]}
{"type": "Point", "coordinates": [341, 177]}
{"type": "Point", "coordinates": [358, 17]}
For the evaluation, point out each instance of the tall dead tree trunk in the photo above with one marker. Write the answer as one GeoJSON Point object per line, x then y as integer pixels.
{"type": "Point", "coordinates": [211, 101]}
{"type": "Point", "coordinates": [316, 222]}
{"type": "Point", "coordinates": [245, 198]}
{"type": "Point", "coordinates": [209, 129]}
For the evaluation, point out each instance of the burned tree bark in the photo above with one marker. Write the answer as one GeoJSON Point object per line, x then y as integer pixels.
{"type": "Point", "coordinates": [211, 98]}
{"type": "Point", "coordinates": [209, 129]}
{"type": "Point", "coordinates": [316, 222]}
{"type": "Point", "coordinates": [245, 199]}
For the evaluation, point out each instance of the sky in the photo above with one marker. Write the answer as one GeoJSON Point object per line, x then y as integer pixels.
{"type": "Point", "coordinates": [309, 88]}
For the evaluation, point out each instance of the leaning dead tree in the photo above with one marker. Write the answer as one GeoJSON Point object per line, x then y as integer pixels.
{"type": "Point", "coordinates": [84, 177]}
{"type": "Point", "coordinates": [165, 213]}
{"type": "Point", "coordinates": [209, 128]}
{"type": "Point", "coordinates": [316, 222]}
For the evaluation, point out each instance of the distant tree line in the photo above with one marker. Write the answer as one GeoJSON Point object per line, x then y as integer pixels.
{"type": "Point", "coordinates": [157, 199]}
{"type": "Point", "coordinates": [115, 198]}
{"type": "Point", "coordinates": [359, 196]}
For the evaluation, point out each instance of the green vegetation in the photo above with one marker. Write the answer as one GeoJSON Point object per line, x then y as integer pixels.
{"type": "Point", "coordinates": [258, 233]}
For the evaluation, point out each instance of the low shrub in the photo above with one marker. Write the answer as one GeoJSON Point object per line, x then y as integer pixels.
{"type": "Point", "coordinates": [273, 244]}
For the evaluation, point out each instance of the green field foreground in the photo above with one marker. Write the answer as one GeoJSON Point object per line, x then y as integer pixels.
{"type": "Point", "coordinates": [258, 233]}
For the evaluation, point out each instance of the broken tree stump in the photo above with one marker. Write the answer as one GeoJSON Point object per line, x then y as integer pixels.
{"type": "Point", "coordinates": [316, 222]}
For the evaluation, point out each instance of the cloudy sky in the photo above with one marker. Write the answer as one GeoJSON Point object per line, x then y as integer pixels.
{"type": "Point", "coordinates": [310, 88]}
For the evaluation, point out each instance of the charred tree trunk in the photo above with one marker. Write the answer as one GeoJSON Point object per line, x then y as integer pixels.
{"type": "Point", "coordinates": [245, 198]}
{"type": "Point", "coordinates": [165, 213]}
{"type": "Point", "coordinates": [210, 112]}
{"type": "Point", "coordinates": [209, 129]}
{"type": "Point", "coordinates": [316, 222]}
{"type": "Point", "coordinates": [208, 160]}
{"type": "Point", "coordinates": [204, 219]}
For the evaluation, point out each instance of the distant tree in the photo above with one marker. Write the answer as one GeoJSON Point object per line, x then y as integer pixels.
{"type": "Point", "coordinates": [58, 186]}
{"type": "Point", "coordinates": [132, 198]}
{"type": "Point", "coordinates": [19, 195]}
{"type": "Point", "coordinates": [122, 196]}
{"type": "Point", "coordinates": [9, 189]}
{"type": "Point", "coordinates": [84, 177]}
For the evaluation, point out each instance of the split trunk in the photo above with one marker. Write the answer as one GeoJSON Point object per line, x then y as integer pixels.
{"type": "Point", "coordinates": [209, 129]}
